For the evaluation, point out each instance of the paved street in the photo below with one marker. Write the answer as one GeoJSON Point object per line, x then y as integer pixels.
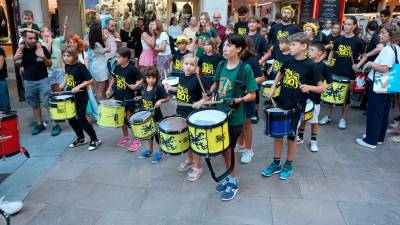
{"type": "Point", "coordinates": [341, 184]}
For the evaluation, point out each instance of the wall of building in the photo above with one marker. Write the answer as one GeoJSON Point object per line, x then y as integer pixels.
{"type": "Point", "coordinates": [210, 7]}
{"type": "Point", "coordinates": [73, 9]}
{"type": "Point", "coordinates": [40, 9]}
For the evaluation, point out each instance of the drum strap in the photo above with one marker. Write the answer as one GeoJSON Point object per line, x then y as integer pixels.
{"type": "Point", "coordinates": [239, 82]}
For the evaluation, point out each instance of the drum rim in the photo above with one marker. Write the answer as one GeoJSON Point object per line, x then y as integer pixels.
{"type": "Point", "coordinates": [206, 126]}
{"type": "Point", "coordinates": [111, 106]}
{"type": "Point", "coordinates": [8, 115]}
{"type": "Point", "coordinates": [139, 122]}
{"type": "Point", "coordinates": [53, 98]}
{"type": "Point", "coordinates": [209, 153]}
{"type": "Point", "coordinates": [183, 152]}
{"type": "Point", "coordinates": [312, 108]}
{"type": "Point", "coordinates": [335, 78]}
{"type": "Point", "coordinates": [173, 132]}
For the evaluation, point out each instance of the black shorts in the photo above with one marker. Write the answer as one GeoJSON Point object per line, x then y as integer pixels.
{"type": "Point", "coordinates": [234, 133]}
{"type": "Point", "coordinates": [250, 108]}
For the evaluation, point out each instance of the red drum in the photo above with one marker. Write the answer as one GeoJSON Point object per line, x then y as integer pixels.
{"type": "Point", "coordinates": [359, 85]}
{"type": "Point", "coordinates": [9, 135]}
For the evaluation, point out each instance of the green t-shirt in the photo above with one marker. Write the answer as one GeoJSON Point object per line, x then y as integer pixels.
{"type": "Point", "coordinates": [34, 26]}
{"type": "Point", "coordinates": [212, 33]}
{"type": "Point", "coordinates": [225, 79]}
{"type": "Point", "coordinates": [56, 48]}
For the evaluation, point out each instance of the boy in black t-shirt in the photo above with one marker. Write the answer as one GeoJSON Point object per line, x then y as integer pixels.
{"type": "Point", "coordinates": [335, 34]}
{"type": "Point", "coordinates": [280, 57]}
{"type": "Point", "coordinates": [242, 26]}
{"type": "Point", "coordinates": [209, 61]}
{"type": "Point", "coordinates": [181, 43]}
{"type": "Point", "coordinates": [299, 76]}
{"type": "Point", "coordinates": [316, 51]}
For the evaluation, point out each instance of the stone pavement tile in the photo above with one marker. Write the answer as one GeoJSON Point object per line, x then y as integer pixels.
{"type": "Point", "coordinates": [92, 196]}
{"type": "Point", "coordinates": [66, 170]}
{"type": "Point", "coordinates": [27, 213]}
{"type": "Point", "coordinates": [327, 152]}
{"type": "Point", "coordinates": [257, 164]}
{"type": "Point", "coordinates": [242, 210]}
{"type": "Point", "coordinates": [18, 185]}
{"type": "Point", "coordinates": [307, 168]}
{"type": "Point", "coordinates": [334, 169]}
{"type": "Point", "coordinates": [204, 185]}
{"type": "Point", "coordinates": [332, 189]}
{"type": "Point", "coordinates": [172, 204]}
{"type": "Point", "coordinates": [196, 222]}
{"type": "Point", "coordinates": [389, 170]}
{"type": "Point", "coordinates": [357, 154]}
{"type": "Point", "coordinates": [9, 165]}
{"type": "Point", "coordinates": [305, 212]}
{"type": "Point", "coordinates": [66, 215]}
{"type": "Point", "coordinates": [102, 155]}
{"type": "Point", "coordinates": [129, 218]}
{"type": "Point", "coordinates": [369, 214]}
{"type": "Point", "coordinates": [54, 146]}
{"type": "Point", "coordinates": [379, 191]}
{"type": "Point", "coordinates": [363, 170]}
{"type": "Point", "coordinates": [71, 154]}
{"type": "Point", "coordinates": [105, 174]}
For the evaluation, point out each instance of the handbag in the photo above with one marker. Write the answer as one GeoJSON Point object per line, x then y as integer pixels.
{"type": "Point", "coordinates": [387, 83]}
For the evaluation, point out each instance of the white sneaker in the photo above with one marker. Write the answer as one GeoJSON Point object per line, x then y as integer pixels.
{"type": "Point", "coordinates": [10, 207]}
{"type": "Point", "coordinates": [239, 148]}
{"type": "Point", "coordinates": [364, 136]}
{"type": "Point", "coordinates": [325, 120]}
{"type": "Point", "coordinates": [342, 124]}
{"type": "Point", "coordinates": [361, 142]}
{"type": "Point", "coordinates": [313, 146]}
{"type": "Point", "coordinates": [395, 124]}
{"type": "Point", "coordinates": [299, 140]}
{"type": "Point", "coordinates": [247, 156]}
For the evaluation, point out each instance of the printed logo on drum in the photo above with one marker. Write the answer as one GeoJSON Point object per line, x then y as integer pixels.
{"type": "Point", "coordinates": [182, 94]}
{"type": "Point", "coordinates": [291, 79]}
{"type": "Point", "coordinates": [282, 34]}
{"type": "Point", "coordinates": [336, 94]}
{"type": "Point", "coordinates": [70, 80]}
{"type": "Point", "coordinates": [120, 82]}
{"type": "Point", "coordinates": [207, 69]}
{"type": "Point", "coordinates": [242, 31]}
{"type": "Point", "coordinates": [147, 104]}
{"type": "Point", "coordinates": [344, 51]}
{"type": "Point", "coordinates": [219, 138]}
{"type": "Point", "coordinates": [178, 65]}
{"type": "Point", "coordinates": [225, 85]}
{"type": "Point", "coordinates": [147, 129]}
{"type": "Point", "coordinates": [167, 142]}
{"type": "Point", "coordinates": [197, 140]}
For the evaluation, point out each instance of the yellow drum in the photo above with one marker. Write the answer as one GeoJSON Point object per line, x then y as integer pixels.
{"type": "Point", "coordinates": [208, 130]}
{"type": "Point", "coordinates": [174, 135]}
{"type": "Point", "coordinates": [111, 114]}
{"type": "Point", "coordinates": [309, 111]}
{"type": "Point", "coordinates": [338, 92]}
{"type": "Point", "coordinates": [142, 125]}
{"type": "Point", "coordinates": [62, 107]}
{"type": "Point", "coordinates": [267, 88]}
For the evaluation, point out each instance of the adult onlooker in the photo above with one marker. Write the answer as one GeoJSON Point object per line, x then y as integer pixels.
{"type": "Point", "coordinates": [327, 27]}
{"type": "Point", "coordinates": [242, 27]}
{"type": "Point", "coordinates": [126, 35]}
{"type": "Point", "coordinates": [204, 31]}
{"type": "Point", "coordinates": [277, 19]}
{"type": "Point", "coordinates": [148, 56]}
{"type": "Point", "coordinates": [379, 104]}
{"type": "Point", "coordinates": [174, 30]}
{"type": "Point", "coordinates": [98, 61]}
{"type": "Point", "coordinates": [4, 96]}
{"type": "Point", "coordinates": [112, 38]}
{"type": "Point", "coordinates": [384, 16]}
{"type": "Point", "coordinates": [162, 49]}
{"type": "Point", "coordinates": [137, 37]}
{"type": "Point", "coordinates": [190, 33]}
{"type": "Point", "coordinates": [216, 23]}
{"type": "Point", "coordinates": [36, 80]}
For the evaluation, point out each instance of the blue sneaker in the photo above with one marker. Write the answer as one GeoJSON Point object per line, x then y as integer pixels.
{"type": "Point", "coordinates": [37, 129]}
{"type": "Point", "coordinates": [56, 130]}
{"type": "Point", "coordinates": [157, 158]}
{"type": "Point", "coordinates": [271, 169]}
{"type": "Point", "coordinates": [146, 154]}
{"type": "Point", "coordinates": [230, 191]}
{"type": "Point", "coordinates": [222, 186]}
{"type": "Point", "coordinates": [286, 171]}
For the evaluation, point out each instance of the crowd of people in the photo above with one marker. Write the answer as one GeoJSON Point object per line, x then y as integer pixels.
{"type": "Point", "coordinates": [228, 63]}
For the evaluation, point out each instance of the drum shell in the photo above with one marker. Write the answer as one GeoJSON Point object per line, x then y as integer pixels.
{"type": "Point", "coordinates": [174, 142]}
{"type": "Point", "coordinates": [308, 114]}
{"type": "Point", "coordinates": [267, 89]}
{"type": "Point", "coordinates": [336, 94]}
{"type": "Point", "coordinates": [9, 127]}
{"type": "Point", "coordinates": [209, 140]}
{"type": "Point", "coordinates": [278, 124]}
{"type": "Point", "coordinates": [111, 116]}
{"type": "Point", "coordinates": [143, 130]}
{"type": "Point", "coordinates": [62, 109]}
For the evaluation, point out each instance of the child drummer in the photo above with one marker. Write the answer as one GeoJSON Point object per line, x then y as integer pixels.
{"type": "Point", "coordinates": [127, 79]}
{"type": "Point", "coordinates": [298, 76]}
{"type": "Point", "coordinates": [189, 90]}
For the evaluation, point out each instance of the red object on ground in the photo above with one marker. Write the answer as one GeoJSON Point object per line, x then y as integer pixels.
{"type": "Point", "coordinates": [9, 135]}
{"type": "Point", "coordinates": [360, 83]}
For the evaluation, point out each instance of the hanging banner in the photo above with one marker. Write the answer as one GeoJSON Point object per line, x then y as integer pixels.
{"type": "Point", "coordinates": [331, 10]}
{"type": "Point", "coordinates": [306, 10]}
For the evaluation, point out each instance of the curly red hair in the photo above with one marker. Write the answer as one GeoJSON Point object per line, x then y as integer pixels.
{"type": "Point", "coordinates": [77, 39]}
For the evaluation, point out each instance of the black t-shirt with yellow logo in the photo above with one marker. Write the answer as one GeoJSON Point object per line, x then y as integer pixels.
{"type": "Point", "coordinates": [280, 31]}
{"type": "Point", "coordinates": [326, 76]}
{"type": "Point", "coordinates": [346, 53]}
{"type": "Point", "coordinates": [331, 40]}
{"type": "Point", "coordinates": [177, 61]}
{"type": "Point", "coordinates": [189, 91]}
{"type": "Point", "coordinates": [151, 97]}
{"type": "Point", "coordinates": [208, 65]}
{"type": "Point", "coordinates": [276, 66]}
{"type": "Point", "coordinates": [75, 75]}
{"type": "Point", "coordinates": [124, 76]}
{"type": "Point", "coordinates": [295, 73]}
{"type": "Point", "coordinates": [242, 28]}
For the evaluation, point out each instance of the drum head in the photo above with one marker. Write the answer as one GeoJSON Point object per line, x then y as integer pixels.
{"type": "Point", "coordinates": [268, 83]}
{"type": "Point", "coordinates": [277, 110]}
{"type": "Point", "coordinates": [173, 123]}
{"type": "Point", "coordinates": [340, 79]}
{"type": "Point", "coordinates": [140, 116]}
{"type": "Point", "coordinates": [62, 97]}
{"type": "Point", "coordinates": [7, 115]}
{"type": "Point", "coordinates": [173, 81]}
{"type": "Point", "coordinates": [111, 103]}
{"type": "Point", "coordinates": [207, 117]}
{"type": "Point", "coordinates": [310, 105]}
{"type": "Point", "coordinates": [271, 61]}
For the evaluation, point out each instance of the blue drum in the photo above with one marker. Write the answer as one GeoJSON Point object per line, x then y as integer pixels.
{"type": "Point", "coordinates": [279, 122]}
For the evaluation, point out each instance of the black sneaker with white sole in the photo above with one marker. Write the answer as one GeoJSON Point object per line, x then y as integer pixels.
{"type": "Point", "coordinates": [94, 145]}
{"type": "Point", "coordinates": [77, 143]}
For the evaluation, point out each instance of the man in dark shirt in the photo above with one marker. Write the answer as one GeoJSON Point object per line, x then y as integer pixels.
{"type": "Point", "coordinates": [4, 96]}
{"type": "Point", "coordinates": [260, 44]}
{"type": "Point", "coordinates": [137, 36]}
{"type": "Point", "coordinates": [241, 27]}
{"type": "Point", "coordinates": [36, 81]}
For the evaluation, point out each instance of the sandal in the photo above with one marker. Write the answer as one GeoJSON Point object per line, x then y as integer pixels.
{"type": "Point", "coordinates": [395, 139]}
{"type": "Point", "coordinates": [195, 174]}
{"type": "Point", "coordinates": [184, 166]}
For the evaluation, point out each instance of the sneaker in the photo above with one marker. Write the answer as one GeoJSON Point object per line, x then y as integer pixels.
{"type": "Point", "coordinates": [286, 171]}
{"type": "Point", "coordinates": [146, 154]}
{"type": "Point", "coordinates": [247, 156]}
{"type": "Point", "coordinates": [299, 140]}
{"type": "Point", "coordinates": [37, 129]}
{"type": "Point", "coordinates": [342, 124]}
{"type": "Point", "coordinates": [56, 130]}
{"type": "Point", "coordinates": [94, 145]}
{"type": "Point", "coordinates": [395, 139]}
{"type": "Point", "coordinates": [123, 141]}
{"type": "Point", "coordinates": [271, 169]}
{"type": "Point", "coordinates": [157, 158]}
{"type": "Point", "coordinates": [313, 146]}
{"type": "Point", "coordinates": [395, 124]}
{"type": "Point", "coordinates": [195, 174]}
{"type": "Point", "coordinates": [325, 120]}
{"type": "Point", "coordinates": [184, 166]}
{"type": "Point", "coordinates": [135, 145]}
{"type": "Point", "coordinates": [10, 208]}
{"type": "Point", "coordinates": [222, 186]}
{"type": "Point", "coordinates": [230, 191]}
{"type": "Point", "coordinates": [361, 142]}
{"type": "Point", "coordinates": [239, 148]}
{"type": "Point", "coordinates": [254, 119]}
{"type": "Point", "coordinates": [365, 136]}
{"type": "Point", "coordinates": [77, 143]}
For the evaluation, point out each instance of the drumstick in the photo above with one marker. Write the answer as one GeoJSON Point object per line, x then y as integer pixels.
{"type": "Point", "coordinates": [273, 102]}
{"type": "Point", "coordinates": [116, 76]}
{"type": "Point", "coordinates": [201, 84]}
{"type": "Point", "coordinates": [63, 92]}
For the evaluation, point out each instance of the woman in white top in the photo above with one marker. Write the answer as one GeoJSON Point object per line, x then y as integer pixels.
{"type": "Point", "coordinates": [163, 49]}
{"type": "Point", "coordinates": [379, 104]}
{"type": "Point", "coordinates": [148, 56]}
{"type": "Point", "coordinates": [174, 30]}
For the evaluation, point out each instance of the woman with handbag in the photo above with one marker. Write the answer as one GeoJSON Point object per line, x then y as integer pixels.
{"type": "Point", "coordinates": [379, 103]}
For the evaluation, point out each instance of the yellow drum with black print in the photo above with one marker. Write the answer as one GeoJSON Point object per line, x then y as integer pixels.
{"type": "Point", "coordinates": [62, 107]}
{"type": "Point", "coordinates": [142, 125]}
{"type": "Point", "coordinates": [174, 135]}
{"type": "Point", "coordinates": [337, 93]}
{"type": "Point", "coordinates": [111, 114]}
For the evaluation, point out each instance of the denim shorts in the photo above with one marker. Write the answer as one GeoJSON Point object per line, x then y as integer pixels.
{"type": "Point", "coordinates": [56, 76]}
{"type": "Point", "coordinates": [37, 92]}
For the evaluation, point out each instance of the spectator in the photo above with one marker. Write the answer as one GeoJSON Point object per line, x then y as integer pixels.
{"type": "Point", "coordinates": [148, 56]}
{"type": "Point", "coordinates": [278, 19]}
{"type": "Point", "coordinates": [384, 16]}
{"type": "Point", "coordinates": [204, 32]}
{"type": "Point", "coordinates": [242, 27]}
{"type": "Point", "coordinates": [137, 37]}
{"type": "Point", "coordinates": [112, 38]}
{"type": "Point", "coordinates": [327, 28]}
{"type": "Point", "coordinates": [174, 30]}
{"type": "Point", "coordinates": [162, 48]}
{"type": "Point", "coordinates": [4, 96]}
{"type": "Point", "coordinates": [217, 25]}
{"type": "Point", "coordinates": [126, 36]}
{"type": "Point", "coordinates": [36, 81]}
{"type": "Point", "coordinates": [190, 33]}
{"type": "Point", "coordinates": [105, 15]}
